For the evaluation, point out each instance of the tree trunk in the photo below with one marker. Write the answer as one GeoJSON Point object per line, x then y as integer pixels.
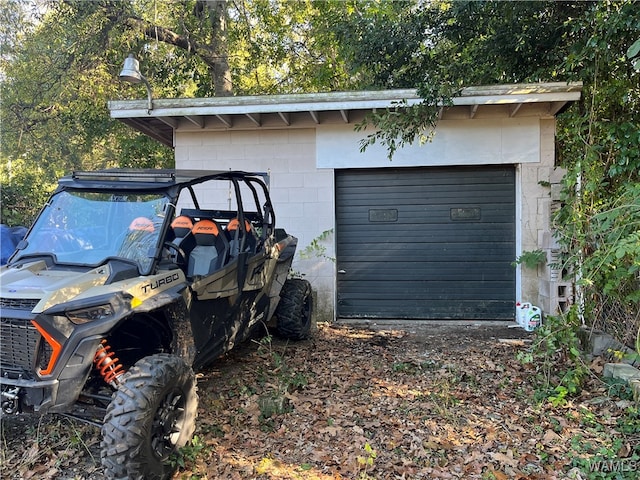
{"type": "Point", "coordinates": [219, 62]}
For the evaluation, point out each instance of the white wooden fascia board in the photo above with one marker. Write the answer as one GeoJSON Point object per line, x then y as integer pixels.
{"type": "Point", "coordinates": [363, 101]}
{"type": "Point", "coordinates": [213, 110]}
{"type": "Point", "coordinates": [522, 88]}
{"type": "Point", "coordinates": [330, 100]}
{"type": "Point", "coordinates": [133, 113]}
{"type": "Point", "coordinates": [306, 107]}
{"type": "Point", "coordinates": [519, 98]}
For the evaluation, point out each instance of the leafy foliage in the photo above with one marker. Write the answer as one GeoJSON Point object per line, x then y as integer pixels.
{"type": "Point", "coordinates": [402, 124]}
{"type": "Point", "coordinates": [531, 259]}
{"type": "Point", "coordinates": [379, 43]}
{"type": "Point", "coordinates": [283, 47]}
{"type": "Point", "coordinates": [18, 177]}
{"type": "Point", "coordinates": [634, 54]}
{"type": "Point", "coordinates": [317, 248]}
{"type": "Point", "coordinates": [600, 148]}
{"type": "Point", "coordinates": [614, 235]}
{"type": "Point", "coordinates": [557, 343]}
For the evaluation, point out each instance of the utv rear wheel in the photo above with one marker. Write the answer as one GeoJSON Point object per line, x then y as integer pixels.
{"type": "Point", "coordinates": [294, 311]}
{"type": "Point", "coordinates": [151, 415]}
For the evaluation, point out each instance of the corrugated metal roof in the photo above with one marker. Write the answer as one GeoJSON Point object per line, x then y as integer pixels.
{"type": "Point", "coordinates": [278, 111]}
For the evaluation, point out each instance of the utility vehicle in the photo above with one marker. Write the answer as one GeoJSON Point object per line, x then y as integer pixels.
{"type": "Point", "coordinates": [128, 281]}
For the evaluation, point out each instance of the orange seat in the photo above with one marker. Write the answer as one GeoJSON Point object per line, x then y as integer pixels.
{"type": "Point", "coordinates": [181, 226]}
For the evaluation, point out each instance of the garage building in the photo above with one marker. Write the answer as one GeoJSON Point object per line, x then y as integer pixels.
{"type": "Point", "coordinates": [432, 233]}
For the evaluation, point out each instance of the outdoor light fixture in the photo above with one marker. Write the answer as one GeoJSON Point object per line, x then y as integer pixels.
{"type": "Point", "coordinates": [131, 73]}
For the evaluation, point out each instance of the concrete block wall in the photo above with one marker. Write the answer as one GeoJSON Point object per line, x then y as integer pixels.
{"type": "Point", "coordinates": [555, 297]}
{"type": "Point", "coordinates": [302, 194]}
{"type": "Point", "coordinates": [545, 286]}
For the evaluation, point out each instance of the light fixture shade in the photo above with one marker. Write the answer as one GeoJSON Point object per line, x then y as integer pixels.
{"type": "Point", "coordinates": [131, 73]}
{"type": "Point", "coordinates": [131, 70]}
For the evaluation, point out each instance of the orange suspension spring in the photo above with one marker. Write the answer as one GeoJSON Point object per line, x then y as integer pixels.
{"type": "Point", "coordinates": [107, 364]}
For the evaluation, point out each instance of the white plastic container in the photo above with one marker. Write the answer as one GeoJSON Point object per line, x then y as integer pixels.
{"type": "Point", "coordinates": [521, 309]}
{"type": "Point", "coordinates": [528, 316]}
{"type": "Point", "coordinates": [533, 319]}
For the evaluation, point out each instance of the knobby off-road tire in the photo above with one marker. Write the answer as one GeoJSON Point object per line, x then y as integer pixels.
{"type": "Point", "coordinates": [151, 415]}
{"type": "Point", "coordinates": [294, 311]}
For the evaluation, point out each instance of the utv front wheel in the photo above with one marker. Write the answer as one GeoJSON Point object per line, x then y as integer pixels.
{"type": "Point", "coordinates": [294, 311]}
{"type": "Point", "coordinates": [151, 415]}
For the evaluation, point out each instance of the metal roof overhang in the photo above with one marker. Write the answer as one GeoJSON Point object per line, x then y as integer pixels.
{"type": "Point", "coordinates": [281, 111]}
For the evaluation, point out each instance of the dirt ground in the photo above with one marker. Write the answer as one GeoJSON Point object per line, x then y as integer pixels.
{"type": "Point", "coordinates": [371, 401]}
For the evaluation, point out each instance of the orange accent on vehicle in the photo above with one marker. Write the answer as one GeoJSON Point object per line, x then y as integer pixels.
{"type": "Point", "coordinates": [234, 223]}
{"type": "Point", "coordinates": [142, 224]}
{"type": "Point", "coordinates": [55, 347]}
{"type": "Point", "coordinates": [107, 364]}
{"type": "Point", "coordinates": [182, 222]}
{"type": "Point", "coordinates": [205, 226]}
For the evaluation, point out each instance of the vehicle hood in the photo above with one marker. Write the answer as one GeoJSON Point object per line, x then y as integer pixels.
{"type": "Point", "coordinates": [36, 281]}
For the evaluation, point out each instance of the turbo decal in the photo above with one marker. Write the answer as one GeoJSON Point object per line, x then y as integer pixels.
{"type": "Point", "coordinates": [159, 283]}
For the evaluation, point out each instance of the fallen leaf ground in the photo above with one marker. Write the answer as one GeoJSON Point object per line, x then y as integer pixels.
{"type": "Point", "coordinates": [355, 402]}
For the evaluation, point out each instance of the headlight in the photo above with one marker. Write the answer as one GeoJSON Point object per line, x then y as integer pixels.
{"type": "Point", "coordinates": [90, 314]}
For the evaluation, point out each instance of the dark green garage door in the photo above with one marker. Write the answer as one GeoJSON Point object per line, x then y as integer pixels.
{"type": "Point", "coordinates": [426, 243]}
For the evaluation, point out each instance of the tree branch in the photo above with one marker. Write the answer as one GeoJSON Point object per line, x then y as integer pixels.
{"type": "Point", "coordinates": [165, 35]}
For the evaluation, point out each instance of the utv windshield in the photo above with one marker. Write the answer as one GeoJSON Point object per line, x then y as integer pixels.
{"type": "Point", "coordinates": [86, 228]}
